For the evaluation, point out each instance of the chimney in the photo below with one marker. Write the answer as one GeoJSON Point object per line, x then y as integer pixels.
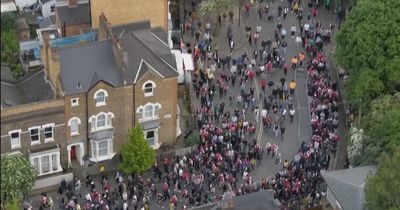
{"type": "Point", "coordinates": [119, 53]}
{"type": "Point", "coordinates": [104, 28]}
{"type": "Point", "coordinates": [72, 3]}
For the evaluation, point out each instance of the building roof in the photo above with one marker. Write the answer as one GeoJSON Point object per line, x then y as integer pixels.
{"type": "Point", "coordinates": [29, 89]}
{"type": "Point", "coordinates": [144, 47]}
{"type": "Point", "coordinates": [85, 65]}
{"type": "Point", "coordinates": [78, 14]}
{"type": "Point", "coordinates": [348, 186]}
{"type": "Point", "coordinates": [48, 21]}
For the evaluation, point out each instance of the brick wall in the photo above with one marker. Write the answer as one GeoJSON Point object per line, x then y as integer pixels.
{"type": "Point", "coordinates": [30, 115]}
{"type": "Point", "coordinates": [165, 94]}
{"type": "Point", "coordinates": [127, 11]}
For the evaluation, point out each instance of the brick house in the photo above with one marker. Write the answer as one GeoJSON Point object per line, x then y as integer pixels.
{"type": "Point", "coordinates": [72, 17]}
{"type": "Point", "coordinates": [102, 89]}
{"type": "Point", "coordinates": [32, 121]}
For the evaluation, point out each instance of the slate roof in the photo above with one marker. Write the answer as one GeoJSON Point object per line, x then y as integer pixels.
{"type": "Point", "coordinates": [348, 186]}
{"type": "Point", "coordinates": [141, 46]}
{"type": "Point", "coordinates": [74, 15]}
{"type": "Point", "coordinates": [88, 64]}
{"type": "Point", "coordinates": [31, 88]}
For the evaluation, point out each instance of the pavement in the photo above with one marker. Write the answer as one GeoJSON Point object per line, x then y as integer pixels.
{"type": "Point", "coordinates": [297, 131]}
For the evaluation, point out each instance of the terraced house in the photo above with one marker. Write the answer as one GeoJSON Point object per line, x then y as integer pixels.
{"type": "Point", "coordinates": [98, 91]}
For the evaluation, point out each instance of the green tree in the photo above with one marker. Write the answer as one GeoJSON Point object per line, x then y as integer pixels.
{"type": "Point", "coordinates": [137, 155]}
{"type": "Point", "coordinates": [383, 190]}
{"type": "Point", "coordinates": [207, 7]}
{"type": "Point", "coordinates": [382, 126]}
{"type": "Point", "coordinates": [17, 178]}
{"type": "Point", "coordinates": [10, 44]}
{"type": "Point", "coordinates": [368, 47]}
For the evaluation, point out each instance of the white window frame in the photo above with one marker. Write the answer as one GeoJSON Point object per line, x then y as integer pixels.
{"type": "Point", "coordinates": [153, 85]}
{"type": "Point", "coordinates": [155, 115]}
{"type": "Point", "coordinates": [74, 133]}
{"type": "Point", "coordinates": [30, 135]}
{"type": "Point", "coordinates": [50, 155]}
{"type": "Point", "coordinates": [95, 150]}
{"type": "Point", "coordinates": [74, 102]}
{"type": "Point", "coordinates": [107, 122]}
{"type": "Point", "coordinates": [100, 103]}
{"type": "Point", "coordinates": [15, 146]}
{"type": "Point", "coordinates": [52, 125]}
{"type": "Point", "coordinates": [155, 138]}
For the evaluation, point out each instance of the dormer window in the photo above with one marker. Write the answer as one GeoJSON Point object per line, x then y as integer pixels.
{"type": "Point", "coordinates": [148, 88]}
{"type": "Point", "coordinates": [100, 97]}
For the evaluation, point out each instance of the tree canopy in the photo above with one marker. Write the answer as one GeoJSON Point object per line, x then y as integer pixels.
{"type": "Point", "coordinates": [137, 155]}
{"type": "Point", "coordinates": [17, 177]}
{"type": "Point", "coordinates": [10, 44]}
{"type": "Point", "coordinates": [383, 190]}
{"type": "Point", "coordinates": [382, 126]}
{"type": "Point", "coordinates": [207, 7]}
{"type": "Point", "coordinates": [368, 47]}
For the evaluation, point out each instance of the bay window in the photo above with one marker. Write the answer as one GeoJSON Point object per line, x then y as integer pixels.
{"type": "Point", "coordinates": [46, 163]}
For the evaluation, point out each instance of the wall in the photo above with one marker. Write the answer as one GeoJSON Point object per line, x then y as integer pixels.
{"type": "Point", "coordinates": [127, 11]}
{"type": "Point", "coordinates": [119, 102]}
{"type": "Point", "coordinates": [165, 93]}
{"type": "Point", "coordinates": [30, 115]}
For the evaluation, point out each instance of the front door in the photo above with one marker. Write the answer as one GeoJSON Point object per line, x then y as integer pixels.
{"type": "Point", "coordinates": [73, 153]}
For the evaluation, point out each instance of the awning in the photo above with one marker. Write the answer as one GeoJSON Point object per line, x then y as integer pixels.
{"type": "Point", "coordinates": [150, 125]}
{"type": "Point", "coordinates": [100, 135]}
{"type": "Point", "coordinates": [188, 61]}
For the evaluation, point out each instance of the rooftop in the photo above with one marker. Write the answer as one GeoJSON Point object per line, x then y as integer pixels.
{"type": "Point", "coordinates": [82, 66]}
{"type": "Point", "coordinates": [78, 14]}
{"type": "Point", "coordinates": [348, 185]}
{"type": "Point", "coordinates": [29, 89]}
{"type": "Point", "coordinates": [154, 52]}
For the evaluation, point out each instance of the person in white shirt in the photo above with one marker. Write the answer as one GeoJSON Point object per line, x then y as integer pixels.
{"type": "Point", "coordinates": [293, 31]}
{"type": "Point", "coordinates": [292, 112]}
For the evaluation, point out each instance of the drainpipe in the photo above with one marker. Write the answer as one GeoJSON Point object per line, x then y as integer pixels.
{"type": "Point", "coordinates": [87, 127]}
{"type": "Point", "coordinates": [90, 13]}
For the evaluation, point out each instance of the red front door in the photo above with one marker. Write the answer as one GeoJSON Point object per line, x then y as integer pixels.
{"type": "Point", "coordinates": [73, 153]}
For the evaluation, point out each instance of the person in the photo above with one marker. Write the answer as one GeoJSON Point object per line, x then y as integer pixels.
{"type": "Point", "coordinates": [292, 87]}
{"type": "Point", "coordinates": [293, 31]}
{"type": "Point", "coordinates": [292, 112]}
{"type": "Point", "coordinates": [302, 57]}
{"type": "Point", "coordinates": [294, 63]}
{"type": "Point", "coordinates": [278, 158]}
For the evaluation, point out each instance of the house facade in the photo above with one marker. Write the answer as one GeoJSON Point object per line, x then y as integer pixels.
{"type": "Point", "coordinates": [101, 89]}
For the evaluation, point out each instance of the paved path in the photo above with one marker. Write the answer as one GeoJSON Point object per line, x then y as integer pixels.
{"type": "Point", "coordinates": [295, 132]}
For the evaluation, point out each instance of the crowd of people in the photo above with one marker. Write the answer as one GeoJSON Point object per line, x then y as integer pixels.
{"type": "Point", "coordinates": [228, 152]}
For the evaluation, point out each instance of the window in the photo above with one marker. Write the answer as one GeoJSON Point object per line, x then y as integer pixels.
{"type": "Point", "coordinates": [101, 121]}
{"type": "Point", "coordinates": [36, 164]}
{"type": "Point", "coordinates": [100, 97]}
{"type": "Point", "coordinates": [15, 137]}
{"type": "Point", "coordinates": [75, 102]}
{"type": "Point", "coordinates": [48, 132]}
{"type": "Point", "coordinates": [102, 150]}
{"type": "Point", "coordinates": [35, 139]}
{"type": "Point", "coordinates": [140, 113]}
{"type": "Point", "coordinates": [54, 165]}
{"type": "Point", "coordinates": [148, 88]}
{"type": "Point", "coordinates": [46, 163]}
{"type": "Point", "coordinates": [93, 123]}
{"type": "Point", "coordinates": [148, 112]}
{"type": "Point", "coordinates": [109, 121]}
{"type": "Point", "coordinates": [150, 137]}
{"type": "Point", "coordinates": [73, 123]}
